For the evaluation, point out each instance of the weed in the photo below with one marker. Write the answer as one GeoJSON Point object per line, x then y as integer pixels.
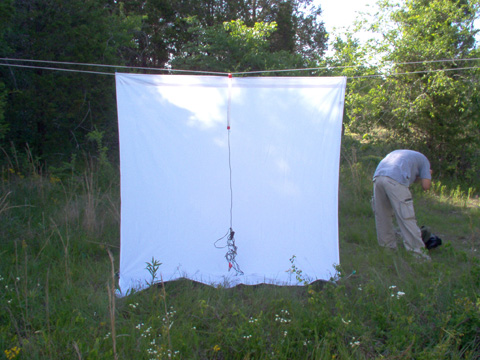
{"type": "Point", "coordinates": [152, 269]}
{"type": "Point", "coordinates": [294, 270]}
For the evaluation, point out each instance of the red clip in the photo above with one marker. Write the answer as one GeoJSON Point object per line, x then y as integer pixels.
{"type": "Point", "coordinates": [230, 266]}
{"type": "Point", "coordinates": [228, 127]}
{"type": "Point", "coordinates": [230, 76]}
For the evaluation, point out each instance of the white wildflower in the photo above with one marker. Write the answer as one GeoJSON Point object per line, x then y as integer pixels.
{"type": "Point", "coordinates": [354, 342]}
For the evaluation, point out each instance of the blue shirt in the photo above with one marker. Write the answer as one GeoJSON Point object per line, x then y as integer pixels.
{"type": "Point", "coordinates": [404, 166]}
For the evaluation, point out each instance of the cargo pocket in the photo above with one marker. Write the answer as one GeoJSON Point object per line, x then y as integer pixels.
{"type": "Point", "coordinates": [406, 209]}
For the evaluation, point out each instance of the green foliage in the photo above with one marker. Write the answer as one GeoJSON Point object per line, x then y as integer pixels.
{"type": "Point", "coordinates": [231, 47]}
{"type": "Point", "coordinates": [425, 101]}
{"type": "Point", "coordinates": [3, 124]}
{"type": "Point", "coordinates": [52, 111]}
{"type": "Point", "coordinates": [6, 12]}
{"type": "Point", "coordinates": [167, 29]}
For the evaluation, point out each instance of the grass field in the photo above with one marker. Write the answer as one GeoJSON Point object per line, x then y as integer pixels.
{"type": "Point", "coordinates": [59, 237]}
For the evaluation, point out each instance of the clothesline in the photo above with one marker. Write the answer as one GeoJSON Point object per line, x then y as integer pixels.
{"type": "Point", "coordinates": [225, 73]}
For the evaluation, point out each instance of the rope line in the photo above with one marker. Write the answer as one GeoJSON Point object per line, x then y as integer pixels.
{"type": "Point", "coordinates": [104, 66]}
{"type": "Point", "coordinates": [229, 74]}
{"type": "Point", "coordinates": [56, 69]}
{"type": "Point", "coordinates": [352, 66]}
{"type": "Point", "coordinates": [412, 72]}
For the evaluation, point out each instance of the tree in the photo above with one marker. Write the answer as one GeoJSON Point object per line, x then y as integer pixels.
{"type": "Point", "coordinates": [53, 111]}
{"type": "Point", "coordinates": [232, 47]}
{"type": "Point", "coordinates": [167, 27]}
{"type": "Point", "coordinates": [350, 59]}
{"type": "Point", "coordinates": [6, 11]}
{"type": "Point", "coordinates": [425, 100]}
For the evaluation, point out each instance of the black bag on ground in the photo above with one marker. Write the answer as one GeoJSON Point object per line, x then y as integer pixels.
{"type": "Point", "coordinates": [430, 240]}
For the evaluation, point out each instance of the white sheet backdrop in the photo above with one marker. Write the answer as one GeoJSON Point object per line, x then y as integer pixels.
{"type": "Point", "coordinates": [175, 177]}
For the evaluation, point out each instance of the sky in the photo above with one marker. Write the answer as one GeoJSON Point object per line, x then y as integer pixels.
{"type": "Point", "coordinates": [342, 13]}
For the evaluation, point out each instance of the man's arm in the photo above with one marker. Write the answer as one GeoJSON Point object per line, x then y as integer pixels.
{"type": "Point", "coordinates": [426, 183]}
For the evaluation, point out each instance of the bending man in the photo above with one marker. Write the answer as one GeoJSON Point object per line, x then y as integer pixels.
{"type": "Point", "coordinates": [391, 195]}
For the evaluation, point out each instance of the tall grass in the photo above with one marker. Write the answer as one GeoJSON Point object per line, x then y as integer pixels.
{"type": "Point", "coordinates": [59, 249]}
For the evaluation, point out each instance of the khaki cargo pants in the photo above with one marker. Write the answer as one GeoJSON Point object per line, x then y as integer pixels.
{"type": "Point", "coordinates": [391, 197]}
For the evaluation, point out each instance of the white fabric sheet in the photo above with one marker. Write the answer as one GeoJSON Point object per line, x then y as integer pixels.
{"type": "Point", "coordinates": [176, 198]}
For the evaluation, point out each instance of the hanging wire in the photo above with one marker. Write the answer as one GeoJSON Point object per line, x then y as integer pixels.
{"type": "Point", "coordinates": [231, 251]}
{"type": "Point", "coordinates": [224, 73]}
{"type": "Point", "coordinates": [355, 66]}
{"type": "Point", "coordinates": [413, 72]}
{"type": "Point", "coordinates": [230, 171]}
{"type": "Point", "coordinates": [99, 65]}
{"type": "Point", "coordinates": [230, 235]}
{"type": "Point", "coordinates": [56, 69]}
